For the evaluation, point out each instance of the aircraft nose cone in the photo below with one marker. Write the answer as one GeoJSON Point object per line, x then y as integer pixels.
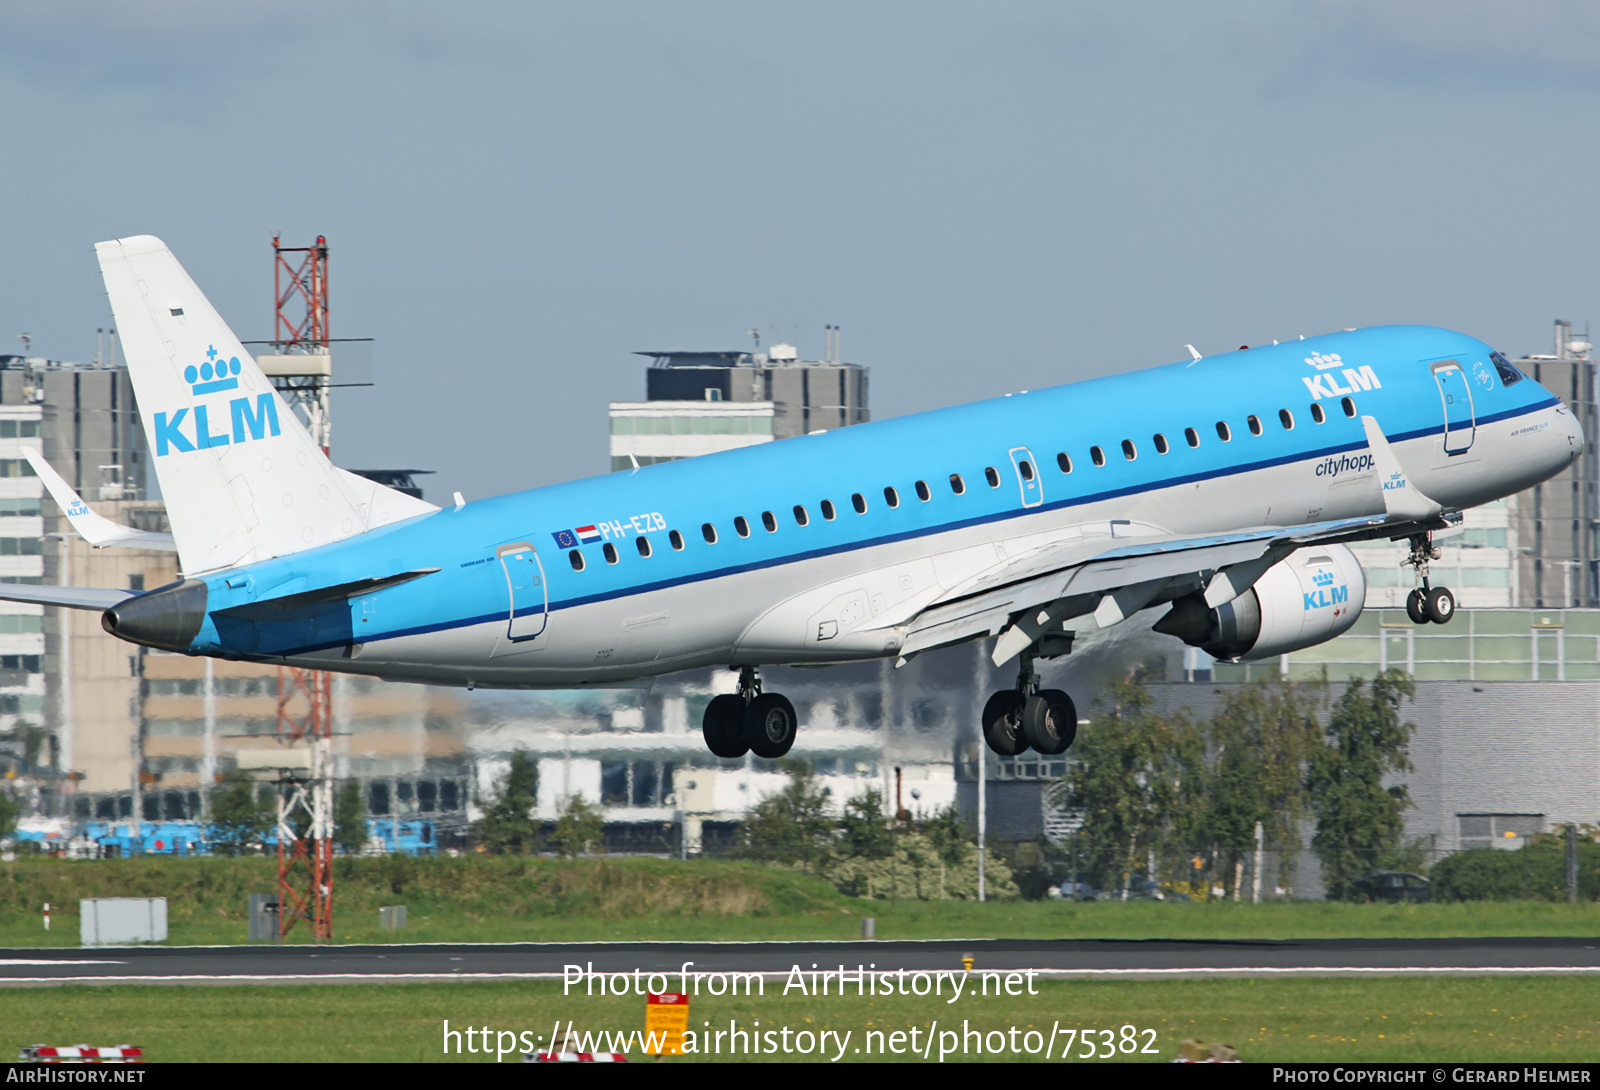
{"type": "Point", "coordinates": [169, 617]}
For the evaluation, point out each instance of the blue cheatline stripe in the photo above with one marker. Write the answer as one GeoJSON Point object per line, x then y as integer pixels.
{"type": "Point", "coordinates": [941, 528]}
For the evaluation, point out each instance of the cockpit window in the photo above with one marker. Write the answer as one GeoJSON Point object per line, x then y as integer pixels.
{"type": "Point", "coordinates": [1509, 375]}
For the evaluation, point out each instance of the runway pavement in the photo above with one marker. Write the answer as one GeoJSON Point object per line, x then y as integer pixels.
{"type": "Point", "coordinates": [1070, 958]}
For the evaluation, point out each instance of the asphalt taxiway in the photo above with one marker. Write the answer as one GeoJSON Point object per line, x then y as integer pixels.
{"type": "Point", "coordinates": [1065, 958]}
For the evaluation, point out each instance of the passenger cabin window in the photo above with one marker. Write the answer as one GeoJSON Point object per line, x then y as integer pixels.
{"type": "Point", "coordinates": [990, 475]}
{"type": "Point", "coordinates": [1191, 437]}
{"type": "Point", "coordinates": [741, 526]}
{"type": "Point", "coordinates": [859, 502]}
{"type": "Point", "coordinates": [1286, 418]}
{"type": "Point", "coordinates": [676, 539]}
{"type": "Point", "coordinates": [770, 521]}
{"type": "Point", "coordinates": [1025, 468]}
{"type": "Point", "coordinates": [1317, 414]}
{"type": "Point", "coordinates": [1097, 456]}
{"type": "Point", "coordinates": [922, 492]}
{"type": "Point", "coordinates": [891, 497]}
{"type": "Point", "coordinates": [1255, 424]}
{"type": "Point", "coordinates": [1160, 441]}
{"type": "Point", "coordinates": [828, 510]}
{"type": "Point", "coordinates": [611, 552]}
{"type": "Point", "coordinates": [1349, 407]}
{"type": "Point", "coordinates": [957, 485]}
{"type": "Point", "coordinates": [800, 516]}
{"type": "Point", "coordinates": [1222, 431]}
{"type": "Point", "coordinates": [1064, 463]}
{"type": "Point", "coordinates": [576, 559]}
{"type": "Point", "coordinates": [1128, 450]}
{"type": "Point", "coordinates": [709, 532]}
{"type": "Point", "coordinates": [642, 543]}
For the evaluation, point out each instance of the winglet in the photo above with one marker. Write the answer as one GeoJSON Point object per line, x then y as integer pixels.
{"type": "Point", "coordinates": [1403, 501]}
{"type": "Point", "coordinates": [96, 530]}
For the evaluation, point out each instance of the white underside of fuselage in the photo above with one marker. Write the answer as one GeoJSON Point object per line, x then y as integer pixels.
{"type": "Point", "coordinates": [775, 615]}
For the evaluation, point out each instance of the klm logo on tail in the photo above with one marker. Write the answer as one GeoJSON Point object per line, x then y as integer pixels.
{"type": "Point", "coordinates": [246, 422]}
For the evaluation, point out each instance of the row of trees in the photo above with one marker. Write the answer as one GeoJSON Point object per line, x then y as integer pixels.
{"type": "Point", "coordinates": [508, 826]}
{"type": "Point", "coordinates": [864, 852]}
{"type": "Point", "coordinates": [1159, 790]}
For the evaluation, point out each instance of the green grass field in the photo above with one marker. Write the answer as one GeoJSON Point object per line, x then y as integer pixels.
{"type": "Point", "coordinates": [532, 900]}
{"type": "Point", "coordinates": [1389, 1019]}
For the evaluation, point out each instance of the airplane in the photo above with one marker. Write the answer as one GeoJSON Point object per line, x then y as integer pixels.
{"type": "Point", "coordinates": [1221, 488]}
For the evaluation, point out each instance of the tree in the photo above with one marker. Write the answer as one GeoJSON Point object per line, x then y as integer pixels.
{"type": "Point", "coordinates": [239, 817]}
{"type": "Point", "coordinates": [864, 831]}
{"type": "Point", "coordinates": [792, 826]}
{"type": "Point", "coordinates": [579, 828]}
{"type": "Point", "coordinates": [508, 825]}
{"type": "Point", "coordinates": [350, 818]}
{"type": "Point", "coordinates": [1359, 821]}
{"type": "Point", "coordinates": [9, 809]}
{"type": "Point", "coordinates": [1260, 743]}
{"type": "Point", "coordinates": [1139, 779]}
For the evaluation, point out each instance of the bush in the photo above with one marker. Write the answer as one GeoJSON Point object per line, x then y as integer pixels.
{"type": "Point", "coordinates": [1537, 872]}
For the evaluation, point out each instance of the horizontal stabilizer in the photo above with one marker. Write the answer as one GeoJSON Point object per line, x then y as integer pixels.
{"type": "Point", "coordinates": [270, 609]}
{"type": "Point", "coordinates": [95, 598]}
{"type": "Point", "coordinates": [97, 530]}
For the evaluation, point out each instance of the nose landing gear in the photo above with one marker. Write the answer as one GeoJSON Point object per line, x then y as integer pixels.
{"type": "Point", "coordinates": [1015, 719]}
{"type": "Point", "coordinates": [1427, 602]}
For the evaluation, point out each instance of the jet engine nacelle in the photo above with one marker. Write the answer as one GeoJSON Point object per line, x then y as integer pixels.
{"type": "Point", "coordinates": [1309, 597]}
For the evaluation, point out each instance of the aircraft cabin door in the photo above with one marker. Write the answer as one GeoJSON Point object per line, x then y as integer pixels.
{"type": "Point", "coordinates": [1460, 423]}
{"type": "Point", "coordinates": [530, 599]}
{"type": "Point", "coordinates": [1027, 476]}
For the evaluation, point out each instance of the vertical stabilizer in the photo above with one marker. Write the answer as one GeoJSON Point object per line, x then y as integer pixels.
{"type": "Point", "coordinates": [242, 479]}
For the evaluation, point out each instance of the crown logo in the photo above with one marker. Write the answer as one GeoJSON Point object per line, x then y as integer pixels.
{"type": "Point", "coordinates": [214, 375]}
{"type": "Point", "coordinates": [1322, 363]}
{"type": "Point", "coordinates": [1323, 579]}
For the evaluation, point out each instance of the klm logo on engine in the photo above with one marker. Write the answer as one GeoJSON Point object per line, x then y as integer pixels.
{"type": "Point", "coordinates": [1324, 384]}
{"type": "Point", "coordinates": [182, 432]}
{"type": "Point", "coordinates": [1326, 593]}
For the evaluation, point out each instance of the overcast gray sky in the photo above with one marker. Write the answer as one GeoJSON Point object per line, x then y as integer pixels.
{"type": "Point", "coordinates": [987, 197]}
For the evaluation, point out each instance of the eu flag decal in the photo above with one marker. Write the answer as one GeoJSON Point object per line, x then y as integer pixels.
{"type": "Point", "coordinates": [565, 540]}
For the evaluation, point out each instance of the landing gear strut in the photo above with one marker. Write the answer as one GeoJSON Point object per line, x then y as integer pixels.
{"type": "Point", "coordinates": [1427, 602]}
{"type": "Point", "coordinates": [749, 720]}
{"type": "Point", "coordinates": [1015, 719]}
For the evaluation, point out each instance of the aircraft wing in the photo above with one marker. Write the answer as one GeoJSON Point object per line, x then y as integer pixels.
{"type": "Point", "coordinates": [1107, 571]}
{"type": "Point", "coordinates": [97, 530]}
{"type": "Point", "coordinates": [96, 598]}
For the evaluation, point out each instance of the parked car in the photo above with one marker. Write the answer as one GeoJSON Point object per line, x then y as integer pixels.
{"type": "Point", "coordinates": [1394, 886]}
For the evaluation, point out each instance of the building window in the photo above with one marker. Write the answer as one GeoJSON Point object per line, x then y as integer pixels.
{"type": "Point", "coordinates": [1497, 830]}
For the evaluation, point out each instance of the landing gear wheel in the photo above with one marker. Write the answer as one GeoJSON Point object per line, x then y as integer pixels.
{"type": "Point", "coordinates": [1417, 606]}
{"type": "Point", "coordinates": [1050, 721]}
{"type": "Point", "coordinates": [1441, 605]}
{"type": "Point", "coordinates": [723, 726]}
{"type": "Point", "coordinates": [770, 725]}
{"type": "Point", "coordinates": [1002, 723]}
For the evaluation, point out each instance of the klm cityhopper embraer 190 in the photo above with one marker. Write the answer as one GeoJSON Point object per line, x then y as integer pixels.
{"type": "Point", "coordinates": [1219, 489]}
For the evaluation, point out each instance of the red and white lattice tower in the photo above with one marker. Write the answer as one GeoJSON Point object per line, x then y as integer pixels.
{"type": "Point", "coordinates": [302, 370]}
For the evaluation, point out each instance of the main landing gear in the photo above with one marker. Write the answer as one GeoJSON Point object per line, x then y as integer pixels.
{"type": "Point", "coordinates": [749, 720]}
{"type": "Point", "coordinates": [1427, 602]}
{"type": "Point", "coordinates": [1028, 716]}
